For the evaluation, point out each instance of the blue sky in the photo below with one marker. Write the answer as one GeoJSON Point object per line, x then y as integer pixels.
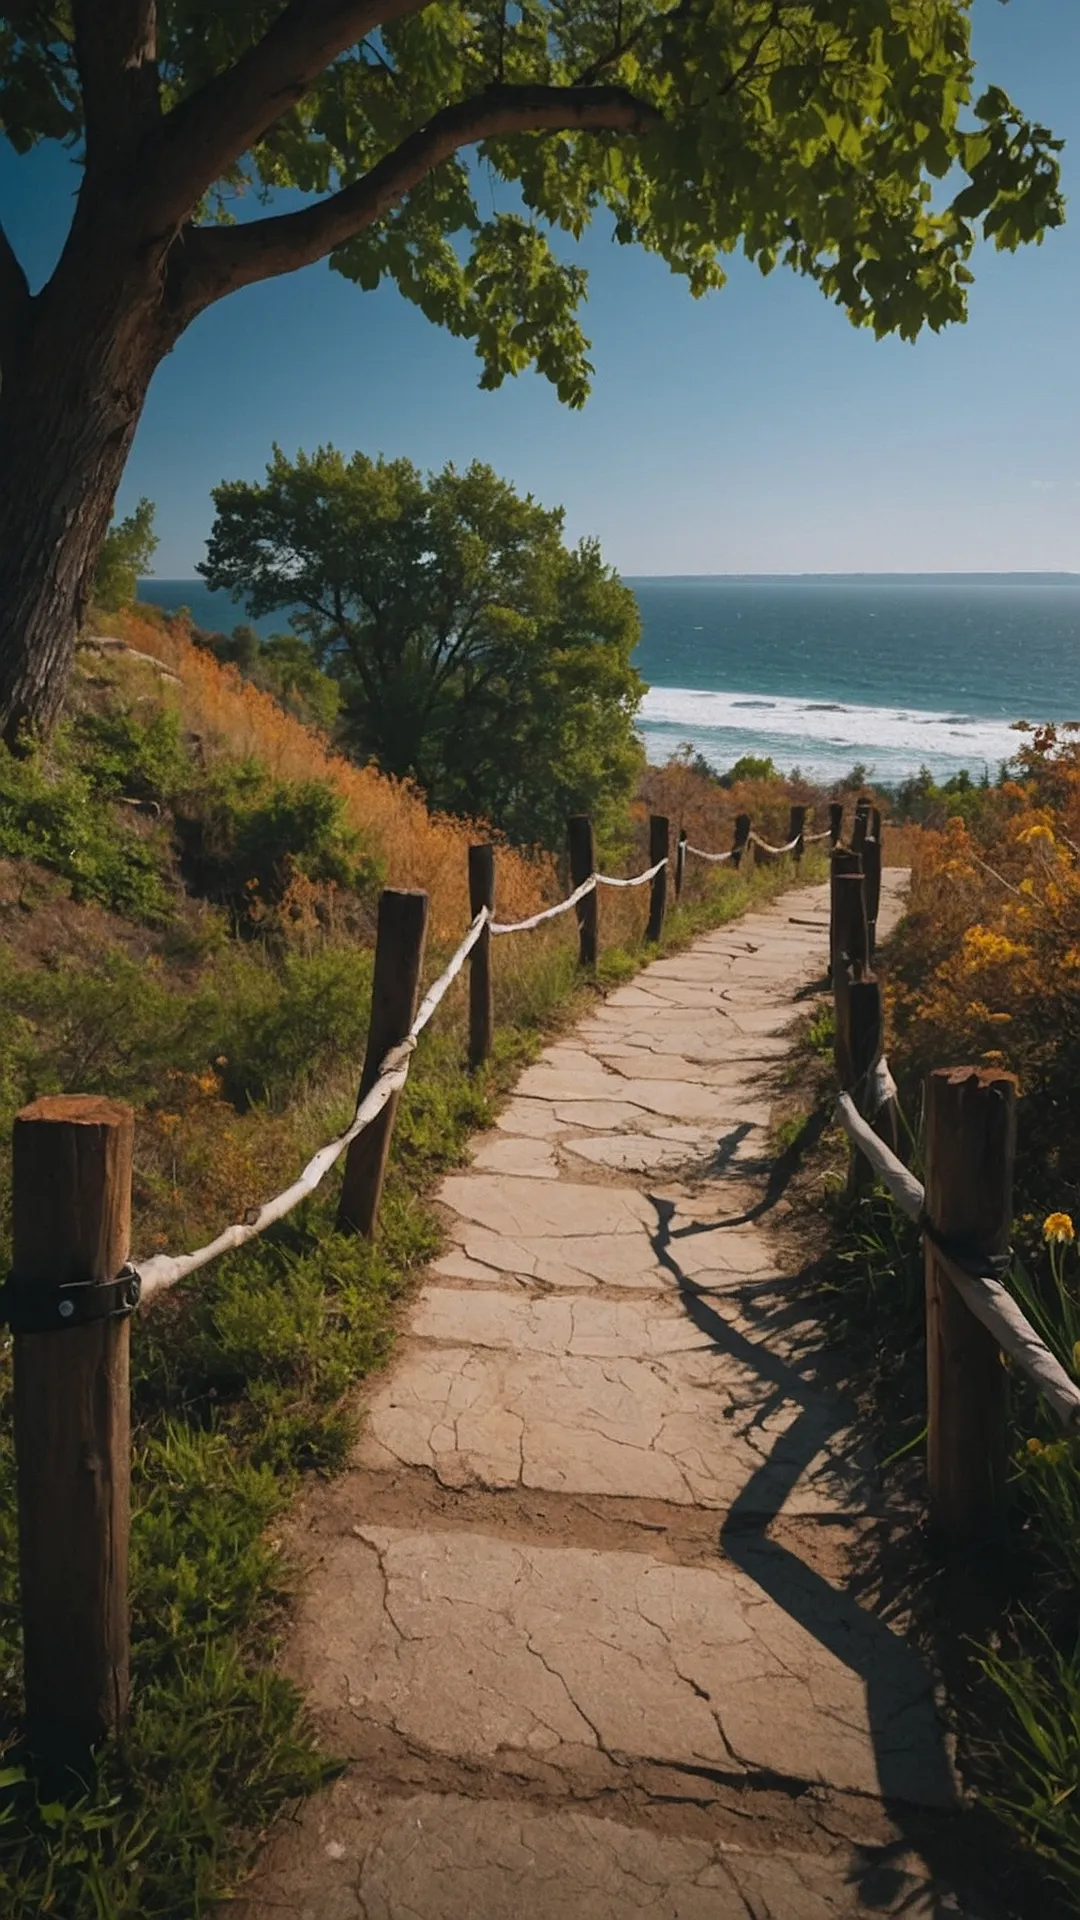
{"type": "Point", "coordinates": [754, 431]}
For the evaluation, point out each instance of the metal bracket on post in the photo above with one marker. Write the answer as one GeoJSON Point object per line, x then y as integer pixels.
{"type": "Point", "coordinates": [38, 1309]}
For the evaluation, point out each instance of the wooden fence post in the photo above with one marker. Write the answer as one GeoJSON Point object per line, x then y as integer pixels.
{"type": "Point", "coordinates": [399, 957]}
{"type": "Point", "coordinates": [795, 826]}
{"type": "Point", "coordinates": [659, 849]}
{"type": "Point", "coordinates": [680, 862]}
{"type": "Point", "coordinates": [481, 992]}
{"type": "Point", "coordinates": [71, 1207]}
{"type": "Point", "coordinates": [866, 1044]}
{"type": "Point", "coordinates": [871, 859]}
{"type": "Point", "coordinates": [741, 837]}
{"type": "Point", "coordinates": [970, 1148]}
{"type": "Point", "coordinates": [862, 822]}
{"type": "Point", "coordinates": [847, 903]}
{"type": "Point", "coordinates": [582, 863]}
{"type": "Point", "coordinates": [836, 821]}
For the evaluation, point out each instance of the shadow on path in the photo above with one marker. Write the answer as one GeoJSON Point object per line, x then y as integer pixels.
{"type": "Point", "coordinates": [910, 1753]}
{"type": "Point", "coordinates": [779, 1172]}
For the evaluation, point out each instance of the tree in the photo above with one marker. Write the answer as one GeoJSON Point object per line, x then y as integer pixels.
{"type": "Point", "coordinates": [477, 654]}
{"type": "Point", "coordinates": [808, 132]}
{"type": "Point", "coordinates": [751, 767]}
{"type": "Point", "coordinates": [126, 553]}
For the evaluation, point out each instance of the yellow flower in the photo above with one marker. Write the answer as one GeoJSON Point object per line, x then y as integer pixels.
{"type": "Point", "coordinates": [982, 948]}
{"type": "Point", "coordinates": [1058, 1230]}
{"type": "Point", "coordinates": [1034, 1446]}
{"type": "Point", "coordinates": [1031, 834]}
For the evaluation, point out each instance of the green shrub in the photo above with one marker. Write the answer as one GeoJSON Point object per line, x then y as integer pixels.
{"type": "Point", "coordinates": [245, 837]}
{"type": "Point", "coordinates": [98, 1023]}
{"type": "Point", "coordinates": [105, 1023]}
{"type": "Point", "coordinates": [283, 1025]}
{"type": "Point", "coordinates": [121, 752]}
{"type": "Point", "coordinates": [54, 814]}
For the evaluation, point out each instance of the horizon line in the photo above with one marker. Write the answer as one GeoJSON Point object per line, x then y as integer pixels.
{"type": "Point", "coordinates": [866, 573]}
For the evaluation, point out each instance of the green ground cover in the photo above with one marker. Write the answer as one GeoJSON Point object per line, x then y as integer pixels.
{"type": "Point", "coordinates": [239, 1042]}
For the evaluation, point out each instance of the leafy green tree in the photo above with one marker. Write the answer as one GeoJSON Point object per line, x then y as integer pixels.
{"type": "Point", "coordinates": [126, 553]}
{"type": "Point", "coordinates": [807, 132]}
{"type": "Point", "coordinates": [476, 653]}
{"type": "Point", "coordinates": [751, 767]}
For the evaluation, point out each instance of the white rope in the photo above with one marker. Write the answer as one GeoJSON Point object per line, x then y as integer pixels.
{"type": "Point", "coordinates": [449, 974]}
{"type": "Point", "coordinates": [637, 880]}
{"type": "Point", "coordinates": [987, 1299]}
{"type": "Point", "coordinates": [766, 847]}
{"type": "Point", "coordinates": [905, 1189]}
{"type": "Point", "coordinates": [880, 1088]}
{"type": "Point", "coordinates": [549, 913]}
{"type": "Point", "coordinates": [164, 1270]}
{"type": "Point", "coordinates": [715, 857]}
{"type": "Point", "coordinates": [823, 835]}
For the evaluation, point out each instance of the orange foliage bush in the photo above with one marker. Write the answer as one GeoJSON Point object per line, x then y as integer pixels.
{"type": "Point", "coordinates": [707, 810]}
{"type": "Point", "coordinates": [987, 967]}
{"type": "Point", "coordinates": [417, 848]}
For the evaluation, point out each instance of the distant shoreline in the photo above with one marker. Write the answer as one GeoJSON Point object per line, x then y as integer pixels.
{"type": "Point", "coordinates": [862, 579]}
{"type": "Point", "coordinates": [1034, 579]}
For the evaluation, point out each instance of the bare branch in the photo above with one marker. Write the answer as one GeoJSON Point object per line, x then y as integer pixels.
{"type": "Point", "coordinates": [116, 56]}
{"type": "Point", "coordinates": [205, 135]}
{"type": "Point", "coordinates": [14, 303]}
{"type": "Point", "coordinates": [215, 261]}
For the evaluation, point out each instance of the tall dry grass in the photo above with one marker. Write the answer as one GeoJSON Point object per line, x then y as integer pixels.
{"type": "Point", "coordinates": [417, 848]}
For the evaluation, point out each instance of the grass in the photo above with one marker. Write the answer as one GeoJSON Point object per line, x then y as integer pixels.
{"type": "Point", "coordinates": [242, 1381]}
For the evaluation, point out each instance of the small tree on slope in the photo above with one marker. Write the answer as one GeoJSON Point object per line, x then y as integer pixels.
{"type": "Point", "coordinates": [808, 133]}
{"type": "Point", "coordinates": [476, 653]}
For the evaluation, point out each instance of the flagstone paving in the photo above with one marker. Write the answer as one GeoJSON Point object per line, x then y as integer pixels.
{"type": "Point", "coordinates": [559, 1686]}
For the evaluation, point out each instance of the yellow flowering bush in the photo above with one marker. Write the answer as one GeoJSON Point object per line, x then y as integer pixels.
{"type": "Point", "coordinates": [988, 964]}
{"type": "Point", "coordinates": [986, 970]}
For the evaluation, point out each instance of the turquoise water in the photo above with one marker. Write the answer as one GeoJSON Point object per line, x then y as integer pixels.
{"type": "Point", "coordinates": [894, 671]}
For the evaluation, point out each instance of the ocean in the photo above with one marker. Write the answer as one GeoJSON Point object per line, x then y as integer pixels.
{"type": "Point", "coordinates": [893, 671]}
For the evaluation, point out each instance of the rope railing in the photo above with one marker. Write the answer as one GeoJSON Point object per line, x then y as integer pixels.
{"type": "Point", "coordinates": [636, 880]}
{"type": "Point", "coordinates": [747, 836]}
{"type": "Point", "coordinates": [162, 1271]}
{"type": "Point", "coordinates": [716, 858]}
{"type": "Point", "coordinates": [548, 913]}
{"type": "Point", "coordinates": [984, 1294]}
{"type": "Point", "coordinates": [973, 1319]}
{"type": "Point", "coordinates": [767, 846]}
{"type": "Point", "coordinates": [72, 1160]}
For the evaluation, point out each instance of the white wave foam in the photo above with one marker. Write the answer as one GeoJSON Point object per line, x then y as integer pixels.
{"type": "Point", "coordinates": [823, 736]}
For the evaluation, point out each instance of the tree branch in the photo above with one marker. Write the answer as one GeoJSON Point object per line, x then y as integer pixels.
{"type": "Point", "coordinates": [215, 261]}
{"type": "Point", "coordinates": [14, 303]}
{"type": "Point", "coordinates": [206, 134]}
{"type": "Point", "coordinates": [116, 57]}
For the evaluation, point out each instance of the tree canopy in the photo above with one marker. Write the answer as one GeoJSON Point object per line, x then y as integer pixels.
{"type": "Point", "coordinates": [456, 148]}
{"type": "Point", "coordinates": [477, 653]}
{"type": "Point", "coordinates": [810, 134]}
{"type": "Point", "coordinates": [126, 553]}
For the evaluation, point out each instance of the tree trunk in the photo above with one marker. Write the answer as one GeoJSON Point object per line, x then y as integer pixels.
{"type": "Point", "coordinates": [71, 399]}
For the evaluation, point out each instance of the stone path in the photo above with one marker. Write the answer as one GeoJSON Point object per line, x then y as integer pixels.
{"type": "Point", "coordinates": [577, 1616]}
